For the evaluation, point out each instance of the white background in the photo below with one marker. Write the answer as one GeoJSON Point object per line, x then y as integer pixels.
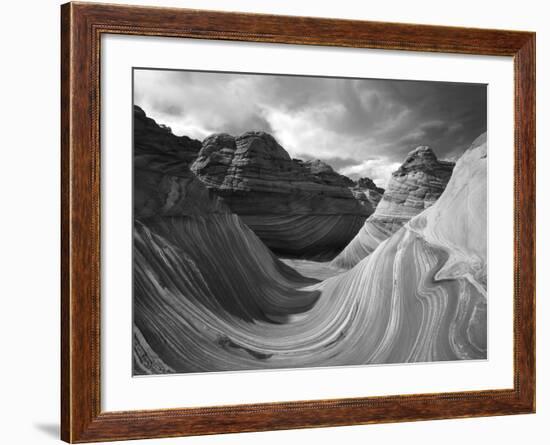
{"type": "Point", "coordinates": [29, 184]}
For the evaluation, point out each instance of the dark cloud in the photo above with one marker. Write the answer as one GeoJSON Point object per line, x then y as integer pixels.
{"type": "Point", "coordinates": [359, 126]}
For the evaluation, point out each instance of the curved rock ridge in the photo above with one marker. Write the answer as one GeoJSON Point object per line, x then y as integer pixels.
{"type": "Point", "coordinates": [183, 235]}
{"type": "Point", "coordinates": [298, 208]}
{"type": "Point", "coordinates": [153, 141]}
{"type": "Point", "coordinates": [420, 296]}
{"type": "Point", "coordinates": [412, 188]}
{"type": "Point", "coordinates": [163, 183]}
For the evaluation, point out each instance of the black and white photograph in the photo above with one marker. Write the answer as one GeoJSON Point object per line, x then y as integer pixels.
{"type": "Point", "coordinates": [232, 222]}
{"type": "Point", "coordinates": [284, 221]}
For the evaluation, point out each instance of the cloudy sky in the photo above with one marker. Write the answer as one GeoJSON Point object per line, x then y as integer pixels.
{"type": "Point", "coordinates": [361, 127]}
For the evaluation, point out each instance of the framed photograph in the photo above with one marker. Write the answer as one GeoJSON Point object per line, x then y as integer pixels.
{"type": "Point", "coordinates": [274, 222]}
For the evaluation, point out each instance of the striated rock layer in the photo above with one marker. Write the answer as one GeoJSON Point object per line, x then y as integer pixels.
{"type": "Point", "coordinates": [209, 296]}
{"type": "Point", "coordinates": [414, 187]}
{"type": "Point", "coordinates": [194, 258]}
{"type": "Point", "coordinates": [296, 208]}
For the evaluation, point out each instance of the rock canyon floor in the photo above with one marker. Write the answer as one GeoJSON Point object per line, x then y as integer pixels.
{"type": "Point", "coordinates": [246, 257]}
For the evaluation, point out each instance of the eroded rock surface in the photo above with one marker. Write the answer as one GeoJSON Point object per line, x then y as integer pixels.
{"type": "Point", "coordinates": [193, 257]}
{"type": "Point", "coordinates": [414, 187]}
{"type": "Point", "coordinates": [209, 296]}
{"type": "Point", "coordinates": [163, 182]}
{"type": "Point", "coordinates": [298, 208]}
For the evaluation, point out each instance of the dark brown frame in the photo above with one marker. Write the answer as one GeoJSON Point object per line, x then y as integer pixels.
{"type": "Point", "coordinates": [82, 25]}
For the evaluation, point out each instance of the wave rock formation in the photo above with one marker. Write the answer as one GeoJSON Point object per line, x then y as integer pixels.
{"type": "Point", "coordinates": [210, 296]}
{"type": "Point", "coordinates": [414, 187]}
{"type": "Point", "coordinates": [297, 208]}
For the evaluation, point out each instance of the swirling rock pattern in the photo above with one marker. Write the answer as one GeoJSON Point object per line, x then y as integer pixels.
{"type": "Point", "coordinates": [296, 208]}
{"type": "Point", "coordinates": [414, 187]}
{"type": "Point", "coordinates": [209, 296]}
{"type": "Point", "coordinates": [184, 235]}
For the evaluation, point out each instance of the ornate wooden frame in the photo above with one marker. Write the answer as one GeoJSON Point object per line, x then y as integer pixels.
{"type": "Point", "coordinates": [82, 25]}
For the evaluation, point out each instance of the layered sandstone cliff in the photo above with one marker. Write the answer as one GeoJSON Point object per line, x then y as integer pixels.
{"type": "Point", "coordinates": [192, 256]}
{"type": "Point", "coordinates": [209, 296]}
{"type": "Point", "coordinates": [298, 208]}
{"type": "Point", "coordinates": [414, 187]}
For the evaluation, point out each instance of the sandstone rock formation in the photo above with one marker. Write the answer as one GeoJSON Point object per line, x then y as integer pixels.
{"type": "Point", "coordinates": [299, 208]}
{"type": "Point", "coordinates": [367, 192]}
{"type": "Point", "coordinates": [414, 187]}
{"type": "Point", "coordinates": [210, 297]}
{"type": "Point", "coordinates": [183, 236]}
{"type": "Point", "coordinates": [163, 183]}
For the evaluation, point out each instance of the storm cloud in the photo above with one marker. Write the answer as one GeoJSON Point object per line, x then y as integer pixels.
{"type": "Point", "coordinates": [361, 127]}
